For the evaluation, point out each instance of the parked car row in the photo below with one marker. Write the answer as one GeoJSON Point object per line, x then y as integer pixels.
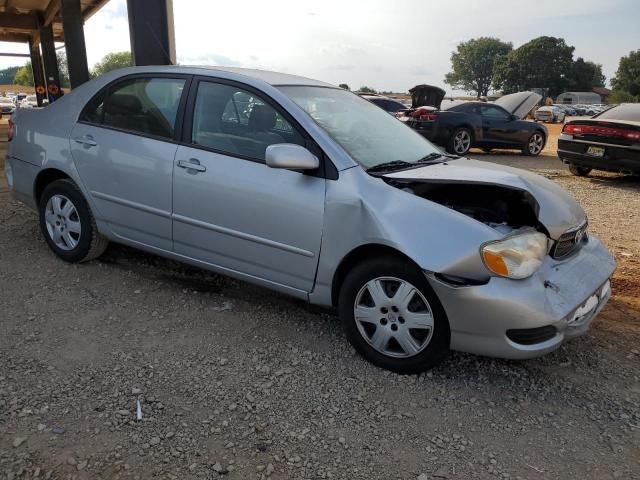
{"type": "Point", "coordinates": [321, 195]}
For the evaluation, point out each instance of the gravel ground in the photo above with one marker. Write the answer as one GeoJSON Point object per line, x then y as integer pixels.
{"type": "Point", "coordinates": [238, 382]}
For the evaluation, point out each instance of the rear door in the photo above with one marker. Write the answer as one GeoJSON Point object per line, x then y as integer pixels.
{"type": "Point", "coordinates": [229, 208]}
{"type": "Point", "coordinates": [123, 147]}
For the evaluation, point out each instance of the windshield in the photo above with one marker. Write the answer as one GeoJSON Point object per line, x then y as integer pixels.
{"type": "Point", "coordinates": [369, 134]}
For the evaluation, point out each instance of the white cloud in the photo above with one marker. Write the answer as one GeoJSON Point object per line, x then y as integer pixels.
{"type": "Point", "coordinates": [382, 44]}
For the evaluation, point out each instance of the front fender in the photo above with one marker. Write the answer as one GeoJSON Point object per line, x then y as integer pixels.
{"type": "Point", "coordinates": [363, 210]}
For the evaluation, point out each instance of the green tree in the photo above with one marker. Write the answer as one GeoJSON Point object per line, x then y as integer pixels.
{"type": "Point", "coordinates": [472, 64]}
{"type": "Point", "coordinates": [544, 62]}
{"type": "Point", "coordinates": [8, 74]}
{"type": "Point", "coordinates": [366, 89]}
{"type": "Point", "coordinates": [24, 75]}
{"type": "Point", "coordinates": [112, 61]}
{"type": "Point", "coordinates": [628, 75]}
{"type": "Point", "coordinates": [344, 86]}
{"type": "Point", "coordinates": [586, 75]}
{"type": "Point", "coordinates": [622, 96]}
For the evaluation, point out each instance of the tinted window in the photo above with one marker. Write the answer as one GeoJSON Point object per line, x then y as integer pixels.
{"type": "Point", "coordinates": [626, 111]}
{"type": "Point", "coordinates": [238, 122]}
{"type": "Point", "coordinates": [494, 113]}
{"type": "Point", "coordinates": [141, 105]}
{"type": "Point", "coordinates": [464, 108]}
{"type": "Point", "coordinates": [388, 105]}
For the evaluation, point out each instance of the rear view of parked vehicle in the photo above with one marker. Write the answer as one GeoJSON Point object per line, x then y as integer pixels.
{"type": "Point", "coordinates": [610, 141]}
{"type": "Point", "coordinates": [549, 114]}
{"type": "Point", "coordinates": [307, 189]}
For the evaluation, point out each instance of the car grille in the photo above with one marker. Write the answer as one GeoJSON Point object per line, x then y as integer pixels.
{"type": "Point", "coordinates": [571, 241]}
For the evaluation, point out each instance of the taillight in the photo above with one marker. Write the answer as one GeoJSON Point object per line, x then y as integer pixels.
{"type": "Point", "coordinates": [11, 131]}
{"type": "Point", "coordinates": [429, 117]}
{"type": "Point", "coordinates": [602, 131]}
{"type": "Point", "coordinates": [425, 115]}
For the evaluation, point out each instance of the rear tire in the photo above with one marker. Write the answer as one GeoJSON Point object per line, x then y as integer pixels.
{"type": "Point", "coordinates": [579, 171]}
{"type": "Point", "coordinates": [460, 141]}
{"type": "Point", "coordinates": [534, 145]}
{"type": "Point", "coordinates": [67, 223]}
{"type": "Point", "coordinates": [400, 323]}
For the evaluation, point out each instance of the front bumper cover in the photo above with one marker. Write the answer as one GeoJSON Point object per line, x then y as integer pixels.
{"type": "Point", "coordinates": [561, 294]}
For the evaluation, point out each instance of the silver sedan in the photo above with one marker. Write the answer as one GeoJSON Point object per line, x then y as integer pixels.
{"type": "Point", "coordinates": [307, 189]}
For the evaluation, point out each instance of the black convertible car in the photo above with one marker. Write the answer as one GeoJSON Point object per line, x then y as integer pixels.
{"type": "Point", "coordinates": [458, 126]}
{"type": "Point", "coordinates": [610, 141]}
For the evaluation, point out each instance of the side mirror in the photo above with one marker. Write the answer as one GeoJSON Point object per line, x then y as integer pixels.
{"type": "Point", "coordinates": [514, 117]}
{"type": "Point", "coordinates": [290, 156]}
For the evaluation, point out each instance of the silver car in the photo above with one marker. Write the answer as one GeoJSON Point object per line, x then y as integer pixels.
{"type": "Point", "coordinates": [310, 190]}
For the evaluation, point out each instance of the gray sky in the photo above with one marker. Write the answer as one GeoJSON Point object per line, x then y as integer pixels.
{"type": "Point", "coordinates": [387, 45]}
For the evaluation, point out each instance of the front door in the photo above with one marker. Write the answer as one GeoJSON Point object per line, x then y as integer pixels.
{"type": "Point", "coordinates": [498, 128]}
{"type": "Point", "coordinates": [229, 208]}
{"type": "Point", "coordinates": [123, 147]}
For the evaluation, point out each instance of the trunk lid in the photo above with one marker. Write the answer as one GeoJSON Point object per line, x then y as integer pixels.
{"type": "Point", "coordinates": [426, 95]}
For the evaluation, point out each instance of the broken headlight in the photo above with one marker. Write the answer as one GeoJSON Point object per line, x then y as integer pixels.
{"type": "Point", "coordinates": [518, 256]}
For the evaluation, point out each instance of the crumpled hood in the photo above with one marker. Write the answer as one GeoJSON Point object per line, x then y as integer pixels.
{"type": "Point", "coordinates": [558, 210]}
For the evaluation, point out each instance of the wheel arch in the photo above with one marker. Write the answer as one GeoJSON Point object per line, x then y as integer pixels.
{"type": "Point", "coordinates": [355, 257]}
{"type": "Point", "coordinates": [44, 178]}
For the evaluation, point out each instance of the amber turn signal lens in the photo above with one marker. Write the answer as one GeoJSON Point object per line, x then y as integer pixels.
{"type": "Point", "coordinates": [495, 263]}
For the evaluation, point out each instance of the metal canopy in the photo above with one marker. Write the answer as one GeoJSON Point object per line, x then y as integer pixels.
{"type": "Point", "coordinates": [20, 20]}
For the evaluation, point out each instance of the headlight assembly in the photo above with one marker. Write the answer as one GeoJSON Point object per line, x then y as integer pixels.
{"type": "Point", "coordinates": [518, 256]}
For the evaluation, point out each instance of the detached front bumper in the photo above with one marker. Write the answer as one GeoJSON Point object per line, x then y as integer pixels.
{"type": "Point", "coordinates": [558, 302]}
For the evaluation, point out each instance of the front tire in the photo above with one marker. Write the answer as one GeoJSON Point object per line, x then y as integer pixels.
{"type": "Point", "coordinates": [534, 145]}
{"type": "Point", "coordinates": [579, 171]}
{"type": "Point", "coordinates": [460, 142]}
{"type": "Point", "coordinates": [67, 223]}
{"type": "Point", "coordinates": [392, 316]}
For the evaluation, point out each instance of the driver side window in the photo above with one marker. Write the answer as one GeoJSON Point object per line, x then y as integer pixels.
{"type": "Point", "coordinates": [231, 120]}
{"type": "Point", "coordinates": [494, 113]}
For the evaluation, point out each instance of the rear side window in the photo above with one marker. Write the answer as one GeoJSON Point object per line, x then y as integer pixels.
{"type": "Point", "coordinates": [625, 111]}
{"type": "Point", "coordinates": [140, 105]}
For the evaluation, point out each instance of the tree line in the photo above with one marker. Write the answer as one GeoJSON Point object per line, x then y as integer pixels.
{"type": "Point", "coordinates": [24, 75]}
{"type": "Point", "coordinates": [485, 64]}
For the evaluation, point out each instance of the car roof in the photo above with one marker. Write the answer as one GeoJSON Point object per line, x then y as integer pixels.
{"type": "Point", "coordinates": [270, 77]}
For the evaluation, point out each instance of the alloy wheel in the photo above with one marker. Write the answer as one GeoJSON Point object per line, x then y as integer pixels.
{"type": "Point", "coordinates": [462, 142]}
{"type": "Point", "coordinates": [394, 317]}
{"type": "Point", "coordinates": [536, 142]}
{"type": "Point", "coordinates": [63, 222]}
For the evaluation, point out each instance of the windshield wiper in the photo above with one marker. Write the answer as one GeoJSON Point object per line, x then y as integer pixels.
{"type": "Point", "coordinates": [435, 156]}
{"type": "Point", "coordinates": [387, 166]}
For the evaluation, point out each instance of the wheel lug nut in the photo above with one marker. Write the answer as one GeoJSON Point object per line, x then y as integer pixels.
{"type": "Point", "coordinates": [384, 310]}
{"type": "Point", "coordinates": [394, 308]}
{"type": "Point", "coordinates": [383, 321]}
{"type": "Point", "coordinates": [394, 327]}
{"type": "Point", "coordinates": [401, 320]}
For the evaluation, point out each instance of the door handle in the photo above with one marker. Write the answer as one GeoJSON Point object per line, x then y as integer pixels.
{"type": "Point", "coordinates": [87, 141]}
{"type": "Point", "coordinates": [192, 164]}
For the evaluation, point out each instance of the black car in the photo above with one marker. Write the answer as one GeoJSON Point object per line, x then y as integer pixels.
{"type": "Point", "coordinates": [610, 141]}
{"type": "Point", "coordinates": [389, 105]}
{"type": "Point", "coordinates": [464, 125]}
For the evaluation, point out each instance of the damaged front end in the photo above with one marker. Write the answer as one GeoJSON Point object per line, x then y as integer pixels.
{"type": "Point", "coordinates": [546, 278]}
